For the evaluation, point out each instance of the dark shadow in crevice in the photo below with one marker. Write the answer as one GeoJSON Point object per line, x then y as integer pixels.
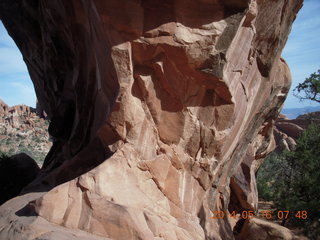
{"type": "Point", "coordinates": [28, 210]}
{"type": "Point", "coordinates": [238, 227]}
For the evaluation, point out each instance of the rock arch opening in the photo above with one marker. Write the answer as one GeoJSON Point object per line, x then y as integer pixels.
{"type": "Point", "coordinates": [23, 126]}
{"type": "Point", "coordinates": [24, 138]}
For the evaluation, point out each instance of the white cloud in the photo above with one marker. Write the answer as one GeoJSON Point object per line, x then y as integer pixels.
{"type": "Point", "coordinates": [24, 93]}
{"type": "Point", "coordinates": [15, 84]}
{"type": "Point", "coordinates": [11, 61]}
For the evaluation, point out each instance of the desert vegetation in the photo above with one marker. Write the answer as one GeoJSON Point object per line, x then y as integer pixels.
{"type": "Point", "coordinates": [291, 178]}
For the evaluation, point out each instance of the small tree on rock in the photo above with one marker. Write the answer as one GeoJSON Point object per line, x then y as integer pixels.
{"type": "Point", "coordinates": [310, 88]}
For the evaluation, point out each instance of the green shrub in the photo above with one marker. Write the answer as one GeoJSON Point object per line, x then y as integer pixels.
{"type": "Point", "coordinates": [292, 181]}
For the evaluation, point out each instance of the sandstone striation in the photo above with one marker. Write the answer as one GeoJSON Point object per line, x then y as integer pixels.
{"type": "Point", "coordinates": [160, 112]}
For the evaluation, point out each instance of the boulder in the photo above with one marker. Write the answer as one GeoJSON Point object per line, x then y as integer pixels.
{"type": "Point", "coordinates": [259, 229]}
{"type": "Point", "coordinates": [16, 172]}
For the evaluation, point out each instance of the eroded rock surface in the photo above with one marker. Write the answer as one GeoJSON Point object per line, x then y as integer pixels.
{"type": "Point", "coordinates": [154, 107]}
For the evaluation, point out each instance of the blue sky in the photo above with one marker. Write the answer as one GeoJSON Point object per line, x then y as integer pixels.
{"type": "Point", "coordinates": [15, 84]}
{"type": "Point", "coordinates": [302, 53]}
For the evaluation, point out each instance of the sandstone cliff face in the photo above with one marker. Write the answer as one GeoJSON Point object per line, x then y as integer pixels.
{"type": "Point", "coordinates": [154, 107]}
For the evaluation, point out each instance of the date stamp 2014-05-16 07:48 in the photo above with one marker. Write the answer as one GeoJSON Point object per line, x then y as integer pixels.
{"type": "Point", "coordinates": [267, 214]}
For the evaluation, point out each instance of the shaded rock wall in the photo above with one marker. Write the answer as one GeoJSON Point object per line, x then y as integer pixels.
{"type": "Point", "coordinates": [154, 107]}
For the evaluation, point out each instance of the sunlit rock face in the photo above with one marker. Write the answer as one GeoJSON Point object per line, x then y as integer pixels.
{"type": "Point", "coordinates": [154, 107]}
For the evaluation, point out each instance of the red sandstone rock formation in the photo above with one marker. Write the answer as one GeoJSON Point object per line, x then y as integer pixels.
{"type": "Point", "coordinates": [154, 107]}
{"type": "Point", "coordinates": [10, 117]}
{"type": "Point", "coordinates": [287, 131]}
{"type": "Point", "coordinates": [22, 130]}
